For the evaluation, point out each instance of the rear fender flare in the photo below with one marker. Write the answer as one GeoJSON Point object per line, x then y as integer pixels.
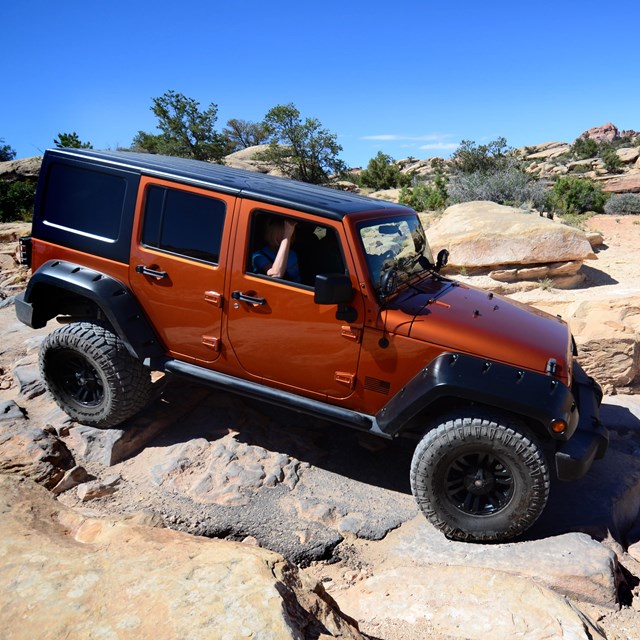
{"type": "Point", "coordinates": [121, 308]}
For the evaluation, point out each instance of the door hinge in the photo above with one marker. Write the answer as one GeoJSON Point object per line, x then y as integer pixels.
{"type": "Point", "coordinates": [213, 297]}
{"type": "Point", "coordinates": [347, 379]}
{"type": "Point", "coordinates": [351, 333]}
{"type": "Point", "coordinates": [212, 342]}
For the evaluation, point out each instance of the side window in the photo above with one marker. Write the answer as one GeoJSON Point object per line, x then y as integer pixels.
{"type": "Point", "coordinates": [315, 248]}
{"type": "Point", "coordinates": [87, 201]}
{"type": "Point", "coordinates": [184, 223]}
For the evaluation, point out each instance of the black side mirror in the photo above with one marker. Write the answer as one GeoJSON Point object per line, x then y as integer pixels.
{"type": "Point", "coordinates": [332, 288]}
{"type": "Point", "coordinates": [442, 259]}
{"type": "Point", "coordinates": [335, 288]}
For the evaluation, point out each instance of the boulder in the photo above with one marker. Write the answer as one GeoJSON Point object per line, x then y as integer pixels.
{"type": "Point", "coordinates": [249, 160]}
{"type": "Point", "coordinates": [11, 231]}
{"type": "Point", "coordinates": [607, 333]}
{"type": "Point", "coordinates": [26, 168]}
{"type": "Point", "coordinates": [628, 154]}
{"type": "Point", "coordinates": [548, 150]}
{"type": "Point", "coordinates": [486, 235]}
{"type": "Point", "coordinates": [629, 183]}
{"type": "Point", "coordinates": [30, 451]}
{"type": "Point", "coordinates": [471, 603]}
{"type": "Point", "coordinates": [64, 575]}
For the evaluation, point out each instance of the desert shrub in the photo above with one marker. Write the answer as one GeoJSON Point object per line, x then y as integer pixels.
{"type": "Point", "coordinates": [575, 195]}
{"type": "Point", "coordinates": [16, 200]}
{"type": "Point", "coordinates": [612, 162]}
{"type": "Point", "coordinates": [509, 186]}
{"type": "Point", "coordinates": [581, 168]}
{"type": "Point", "coordinates": [383, 173]}
{"type": "Point", "coordinates": [623, 204]}
{"type": "Point", "coordinates": [424, 196]}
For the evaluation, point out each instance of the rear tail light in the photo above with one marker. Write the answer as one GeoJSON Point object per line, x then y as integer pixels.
{"type": "Point", "coordinates": [25, 251]}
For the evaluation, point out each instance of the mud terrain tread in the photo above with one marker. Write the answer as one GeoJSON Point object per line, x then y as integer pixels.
{"type": "Point", "coordinates": [127, 383]}
{"type": "Point", "coordinates": [527, 456]}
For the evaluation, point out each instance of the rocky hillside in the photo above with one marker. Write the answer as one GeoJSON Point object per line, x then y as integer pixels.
{"type": "Point", "coordinates": [550, 160]}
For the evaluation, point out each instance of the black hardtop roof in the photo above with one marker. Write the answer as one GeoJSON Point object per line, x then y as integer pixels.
{"type": "Point", "coordinates": [325, 201]}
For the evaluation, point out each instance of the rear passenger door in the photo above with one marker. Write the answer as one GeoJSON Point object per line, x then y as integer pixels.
{"type": "Point", "coordinates": [176, 268]}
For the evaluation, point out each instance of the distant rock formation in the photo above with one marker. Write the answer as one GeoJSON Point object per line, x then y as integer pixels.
{"type": "Point", "coordinates": [608, 133]}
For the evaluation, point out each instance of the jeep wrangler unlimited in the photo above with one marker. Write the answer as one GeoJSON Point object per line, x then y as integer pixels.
{"type": "Point", "coordinates": [147, 263]}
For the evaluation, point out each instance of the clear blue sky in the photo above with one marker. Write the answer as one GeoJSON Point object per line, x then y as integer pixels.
{"type": "Point", "coordinates": [407, 77]}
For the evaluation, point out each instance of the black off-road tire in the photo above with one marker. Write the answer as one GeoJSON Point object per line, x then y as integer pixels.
{"type": "Point", "coordinates": [92, 376]}
{"type": "Point", "coordinates": [480, 479]}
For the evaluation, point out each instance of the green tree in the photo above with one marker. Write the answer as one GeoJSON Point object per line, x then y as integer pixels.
{"type": "Point", "coordinates": [383, 173]}
{"type": "Point", "coordinates": [240, 134]}
{"type": "Point", "coordinates": [16, 200]}
{"type": "Point", "coordinates": [485, 158]}
{"type": "Point", "coordinates": [577, 195]}
{"type": "Point", "coordinates": [186, 130]}
{"type": "Point", "coordinates": [302, 150]}
{"type": "Point", "coordinates": [6, 151]}
{"type": "Point", "coordinates": [584, 148]}
{"type": "Point", "coordinates": [71, 141]}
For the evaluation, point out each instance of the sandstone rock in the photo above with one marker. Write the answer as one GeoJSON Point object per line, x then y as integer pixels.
{"type": "Point", "coordinates": [247, 159]}
{"type": "Point", "coordinates": [629, 183]}
{"type": "Point", "coordinates": [469, 603]}
{"type": "Point", "coordinates": [20, 169]}
{"type": "Point", "coordinates": [561, 270]}
{"type": "Point", "coordinates": [72, 478]}
{"type": "Point", "coordinates": [485, 234]}
{"type": "Point", "coordinates": [605, 133]}
{"type": "Point", "coordinates": [29, 380]}
{"type": "Point", "coordinates": [107, 447]}
{"type": "Point", "coordinates": [65, 576]}
{"type": "Point", "coordinates": [390, 195]}
{"type": "Point", "coordinates": [628, 154]}
{"type": "Point", "coordinates": [11, 231]}
{"type": "Point", "coordinates": [607, 334]}
{"type": "Point", "coordinates": [549, 150]}
{"type": "Point", "coordinates": [32, 452]}
{"type": "Point", "coordinates": [595, 238]}
{"type": "Point", "coordinates": [99, 488]}
{"type": "Point", "coordinates": [572, 564]}
{"type": "Point", "coordinates": [225, 472]}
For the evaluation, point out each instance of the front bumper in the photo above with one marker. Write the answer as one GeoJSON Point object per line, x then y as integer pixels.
{"type": "Point", "coordinates": [591, 438]}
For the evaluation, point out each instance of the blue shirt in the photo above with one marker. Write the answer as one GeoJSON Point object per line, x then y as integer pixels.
{"type": "Point", "coordinates": [263, 259]}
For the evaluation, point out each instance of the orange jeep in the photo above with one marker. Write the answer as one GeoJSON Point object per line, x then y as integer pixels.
{"type": "Point", "coordinates": [154, 263]}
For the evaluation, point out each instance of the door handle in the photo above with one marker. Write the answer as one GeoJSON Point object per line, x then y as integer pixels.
{"type": "Point", "coordinates": [145, 271]}
{"type": "Point", "coordinates": [238, 295]}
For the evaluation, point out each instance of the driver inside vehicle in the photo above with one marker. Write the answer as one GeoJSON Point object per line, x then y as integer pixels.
{"type": "Point", "coordinates": [276, 258]}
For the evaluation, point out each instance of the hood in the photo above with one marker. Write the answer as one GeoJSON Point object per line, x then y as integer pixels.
{"type": "Point", "coordinates": [459, 318]}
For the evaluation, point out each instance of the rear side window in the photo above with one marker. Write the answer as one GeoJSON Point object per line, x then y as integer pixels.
{"type": "Point", "coordinates": [184, 223]}
{"type": "Point", "coordinates": [85, 201]}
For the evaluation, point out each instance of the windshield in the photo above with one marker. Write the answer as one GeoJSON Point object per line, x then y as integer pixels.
{"type": "Point", "coordinates": [395, 243]}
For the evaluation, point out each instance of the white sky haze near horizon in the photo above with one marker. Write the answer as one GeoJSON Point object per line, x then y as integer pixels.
{"type": "Point", "coordinates": [411, 78]}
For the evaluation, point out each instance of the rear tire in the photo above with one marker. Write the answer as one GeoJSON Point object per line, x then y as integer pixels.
{"type": "Point", "coordinates": [480, 479]}
{"type": "Point", "coordinates": [92, 376]}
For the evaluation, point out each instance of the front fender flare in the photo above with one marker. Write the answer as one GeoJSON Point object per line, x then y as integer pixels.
{"type": "Point", "coordinates": [536, 396]}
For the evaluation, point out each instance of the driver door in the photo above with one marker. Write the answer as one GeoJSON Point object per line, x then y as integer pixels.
{"type": "Point", "coordinates": [277, 332]}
